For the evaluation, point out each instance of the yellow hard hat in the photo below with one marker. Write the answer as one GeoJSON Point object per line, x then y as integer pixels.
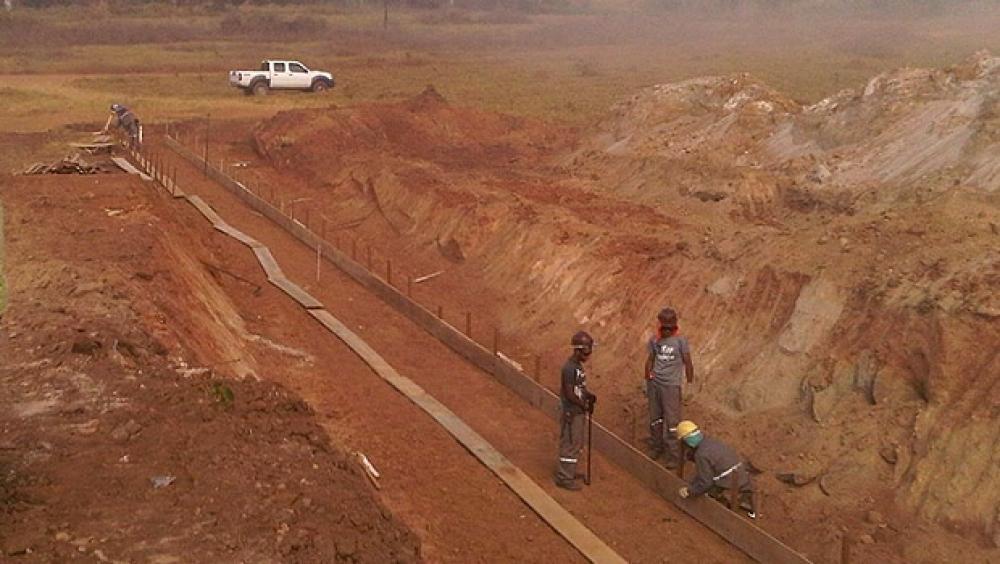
{"type": "Point", "coordinates": [685, 428]}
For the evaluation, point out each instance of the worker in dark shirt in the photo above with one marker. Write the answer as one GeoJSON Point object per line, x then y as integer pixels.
{"type": "Point", "coordinates": [718, 469]}
{"type": "Point", "coordinates": [576, 401]}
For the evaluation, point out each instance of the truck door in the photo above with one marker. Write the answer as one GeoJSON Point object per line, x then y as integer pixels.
{"type": "Point", "coordinates": [280, 76]}
{"type": "Point", "coordinates": [300, 75]}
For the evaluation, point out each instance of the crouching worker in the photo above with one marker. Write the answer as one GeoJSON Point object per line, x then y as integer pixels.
{"type": "Point", "coordinates": [127, 122]}
{"type": "Point", "coordinates": [718, 469]}
{"type": "Point", "coordinates": [576, 401]}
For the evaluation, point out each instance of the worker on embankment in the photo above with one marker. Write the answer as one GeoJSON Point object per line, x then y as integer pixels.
{"type": "Point", "coordinates": [127, 122]}
{"type": "Point", "coordinates": [576, 401]}
{"type": "Point", "coordinates": [667, 366]}
{"type": "Point", "coordinates": [718, 469]}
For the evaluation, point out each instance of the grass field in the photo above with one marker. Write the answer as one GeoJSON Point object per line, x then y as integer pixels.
{"type": "Point", "coordinates": [66, 66]}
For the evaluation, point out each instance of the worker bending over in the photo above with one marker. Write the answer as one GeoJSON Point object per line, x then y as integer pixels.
{"type": "Point", "coordinates": [718, 469]}
{"type": "Point", "coordinates": [127, 122]}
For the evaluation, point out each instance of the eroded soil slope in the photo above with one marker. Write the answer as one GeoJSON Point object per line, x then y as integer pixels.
{"type": "Point", "coordinates": [835, 266]}
{"type": "Point", "coordinates": [132, 427]}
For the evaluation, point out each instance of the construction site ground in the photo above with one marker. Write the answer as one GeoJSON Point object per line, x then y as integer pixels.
{"type": "Point", "coordinates": [207, 296]}
{"type": "Point", "coordinates": [826, 226]}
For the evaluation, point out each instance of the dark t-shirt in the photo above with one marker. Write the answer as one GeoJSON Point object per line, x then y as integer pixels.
{"type": "Point", "coordinates": [573, 387]}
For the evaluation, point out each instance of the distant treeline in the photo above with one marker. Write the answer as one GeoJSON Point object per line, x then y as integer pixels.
{"type": "Point", "coordinates": [535, 6]}
{"type": "Point", "coordinates": [529, 6]}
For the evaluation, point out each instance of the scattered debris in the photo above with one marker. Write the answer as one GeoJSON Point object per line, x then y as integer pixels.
{"type": "Point", "coordinates": [874, 517]}
{"type": "Point", "coordinates": [370, 470]}
{"type": "Point", "coordinates": [124, 432]}
{"type": "Point", "coordinates": [427, 277]}
{"type": "Point", "coordinates": [795, 479]}
{"type": "Point", "coordinates": [73, 164]}
{"type": "Point", "coordinates": [162, 481]}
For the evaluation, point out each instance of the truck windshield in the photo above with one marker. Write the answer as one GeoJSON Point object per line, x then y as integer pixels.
{"type": "Point", "coordinates": [263, 66]}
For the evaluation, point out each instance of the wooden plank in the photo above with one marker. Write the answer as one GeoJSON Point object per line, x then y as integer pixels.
{"type": "Point", "coordinates": [267, 262]}
{"type": "Point", "coordinates": [239, 235]}
{"type": "Point", "coordinates": [127, 167]}
{"type": "Point", "coordinates": [206, 210]}
{"type": "Point", "coordinates": [582, 538]}
{"type": "Point", "coordinates": [296, 292]}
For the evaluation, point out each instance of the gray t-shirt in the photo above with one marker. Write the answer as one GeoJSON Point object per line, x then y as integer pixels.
{"type": "Point", "coordinates": [668, 362]}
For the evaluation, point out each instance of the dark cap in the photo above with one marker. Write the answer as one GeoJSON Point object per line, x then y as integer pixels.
{"type": "Point", "coordinates": [667, 317]}
{"type": "Point", "coordinates": [581, 340]}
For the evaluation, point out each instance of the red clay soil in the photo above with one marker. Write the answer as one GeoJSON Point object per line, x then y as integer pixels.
{"type": "Point", "coordinates": [471, 521]}
{"type": "Point", "coordinates": [118, 441]}
{"type": "Point", "coordinates": [844, 323]}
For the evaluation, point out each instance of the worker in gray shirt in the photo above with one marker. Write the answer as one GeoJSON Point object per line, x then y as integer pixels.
{"type": "Point", "coordinates": [667, 367]}
{"type": "Point", "coordinates": [718, 469]}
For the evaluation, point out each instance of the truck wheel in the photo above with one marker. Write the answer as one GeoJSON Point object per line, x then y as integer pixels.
{"type": "Point", "coordinates": [320, 86]}
{"type": "Point", "coordinates": [259, 89]}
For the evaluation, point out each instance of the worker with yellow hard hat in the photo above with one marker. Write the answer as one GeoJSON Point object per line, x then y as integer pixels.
{"type": "Point", "coordinates": [718, 469]}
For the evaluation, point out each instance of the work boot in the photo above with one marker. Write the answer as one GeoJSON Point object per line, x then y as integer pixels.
{"type": "Point", "coordinates": [671, 464]}
{"type": "Point", "coordinates": [654, 452]}
{"type": "Point", "coordinates": [571, 486]}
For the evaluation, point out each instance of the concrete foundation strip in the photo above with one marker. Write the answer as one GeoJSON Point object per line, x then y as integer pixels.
{"type": "Point", "coordinates": [740, 532]}
{"type": "Point", "coordinates": [562, 521]}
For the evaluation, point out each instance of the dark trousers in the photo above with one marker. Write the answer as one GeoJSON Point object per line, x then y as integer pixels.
{"type": "Point", "coordinates": [664, 415]}
{"type": "Point", "coordinates": [722, 491]}
{"type": "Point", "coordinates": [570, 444]}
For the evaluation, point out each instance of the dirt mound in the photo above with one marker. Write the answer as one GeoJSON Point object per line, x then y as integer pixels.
{"type": "Point", "coordinates": [903, 128]}
{"type": "Point", "coordinates": [427, 100]}
{"type": "Point", "coordinates": [122, 443]}
{"type": "Point", "coordinates": [696, 117]}
{"type": "Point", "coordinates": [424, 128]}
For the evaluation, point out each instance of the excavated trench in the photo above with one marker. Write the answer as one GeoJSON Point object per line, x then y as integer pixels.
{"type": "Point", "coordinates": [839, 288]}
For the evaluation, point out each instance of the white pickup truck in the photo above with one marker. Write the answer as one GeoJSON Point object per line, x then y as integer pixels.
{"type": "Point", "coordinates": [280, 75]}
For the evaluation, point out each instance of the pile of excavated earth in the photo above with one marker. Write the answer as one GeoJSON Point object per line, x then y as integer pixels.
{"type": "Point", "coordinates": [836, 268]}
